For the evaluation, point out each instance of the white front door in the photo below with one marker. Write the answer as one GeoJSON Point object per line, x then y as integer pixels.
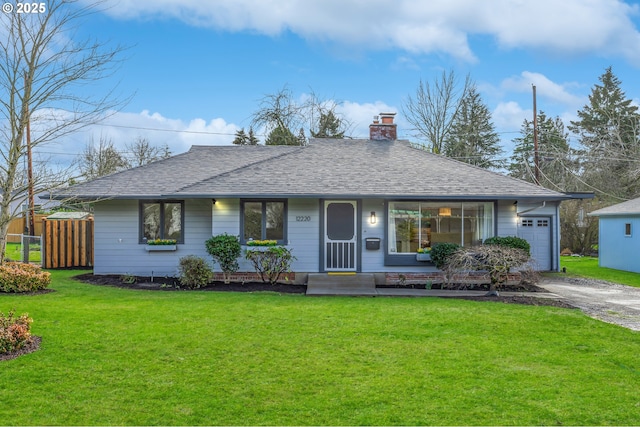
{"type": "Point", "coordinates": [340, 235]}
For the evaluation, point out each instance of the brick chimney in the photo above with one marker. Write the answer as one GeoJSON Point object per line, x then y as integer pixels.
{"type": "Point", "coordinates": [385, 131]}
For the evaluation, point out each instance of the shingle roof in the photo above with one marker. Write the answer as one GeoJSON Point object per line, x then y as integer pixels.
{"type": "Point", "coordinates": [324, 168]}
{"type": "Point", "coordinates": [630, 207]}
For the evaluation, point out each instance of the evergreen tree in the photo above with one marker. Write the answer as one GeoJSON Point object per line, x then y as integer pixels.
{"type": "Point", "coordinates": [472, 138]}
{"type": "Point", "coordinates": [329, 126]}
{"type": "Point", "coordinates": [608, 131]}
{"type": "Point", "coordinates": [241, 137]}
{"type": "Point", "coordinates": [251, 138]}
{"type": "Point", "coordinates": [557, 160]}
{"type": "Point", "coordinates": [281, 136]}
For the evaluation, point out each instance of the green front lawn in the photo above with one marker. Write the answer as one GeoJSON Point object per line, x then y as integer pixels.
{"type": "Point", "coordinates": [122, 357]}
{"type": "Point", "coordinates": [588, 267]}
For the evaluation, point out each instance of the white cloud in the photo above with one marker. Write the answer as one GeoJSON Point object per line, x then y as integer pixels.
{"type": "Point", "coordinates": [123, 128]}
{"type": "Point", "coordinates": [509, 116]}
{"type": "Point", "coordinates": [569, 26]}
{"type": "Point", "coordinates": [360, 116]}
{"type": "Point", "coordinates": [545, 88]}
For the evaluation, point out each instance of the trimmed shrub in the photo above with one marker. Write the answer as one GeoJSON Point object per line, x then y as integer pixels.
{"type": "Point", "coordinates": [194, 272]}
{"type": "Point", "coordinates": [19, 277]}
{"type": "Point", "coordinates": [14, 332]}
{"type": "Point", "coordinates": [510, 242]}
{"type": "Point", "coordinates": [271, 263]}
{"type": "Point", "coordinates": [441, 252]}
{"type": "Point", "coordinates": [225, 250]}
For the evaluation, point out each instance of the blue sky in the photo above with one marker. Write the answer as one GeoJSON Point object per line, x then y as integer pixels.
{"type": "Point", "coordinates": [197, 69]}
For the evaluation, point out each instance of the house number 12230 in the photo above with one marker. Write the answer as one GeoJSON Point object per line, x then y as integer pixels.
{"type": "Point", "coordinates": [303, 218]}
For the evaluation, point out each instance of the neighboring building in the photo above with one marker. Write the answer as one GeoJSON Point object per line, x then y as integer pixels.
{"type": "Point", "coordinates": [619, 236]}
{"type": "Point", "coordinates": [341, 205]}
{"type": "Point", "coordinates": [41, 200]}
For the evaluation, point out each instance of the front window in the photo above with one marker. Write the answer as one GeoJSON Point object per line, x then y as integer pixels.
{"type": "Point", "coordinates": [161, 220]}
{"type": "Point", "coordinates": [264, 220]}
{"type": "Point", "coordinates": [414, 225]}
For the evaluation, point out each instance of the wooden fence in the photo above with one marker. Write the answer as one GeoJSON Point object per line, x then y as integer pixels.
{"type": "Point", "coordinates": [17, 225]}
{"type": "Point", "coordinates": [67, 243]}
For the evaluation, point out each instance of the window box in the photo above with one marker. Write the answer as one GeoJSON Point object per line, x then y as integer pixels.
{"type": "Point", "coordinates": [160, 248]}
{"type": "Point", "coordinates": [423, 257]}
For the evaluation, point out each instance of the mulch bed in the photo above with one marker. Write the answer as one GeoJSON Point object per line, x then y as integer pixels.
{"type": "Point", "coordinates": [172, 284]}
{"type": "Point", "coordinates": [32, 345]}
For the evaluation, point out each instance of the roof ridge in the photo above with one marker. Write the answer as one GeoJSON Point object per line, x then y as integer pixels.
{"type": "Point", "coordinates": [286, 153]}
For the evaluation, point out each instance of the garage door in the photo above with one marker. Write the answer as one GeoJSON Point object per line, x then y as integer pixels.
{"type": "Point", "coordinates": [537, 231]}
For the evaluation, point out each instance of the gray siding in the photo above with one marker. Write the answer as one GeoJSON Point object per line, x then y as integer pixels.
{"type": "Point", "coordinates": [303, 220]}
{"type": "Point", "coordinates": [304, 234]}
{"type": "Point", "coordinates": [117, 250]}
{"type": "Point", "coordinates": [507, 219]}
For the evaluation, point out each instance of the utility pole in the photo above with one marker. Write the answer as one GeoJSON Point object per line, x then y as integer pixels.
{"type": "Point", "coordinates": [536, 159]}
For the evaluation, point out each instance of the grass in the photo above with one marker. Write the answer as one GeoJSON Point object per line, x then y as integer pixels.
{"type": "Point", "coordinates": [121, 357]}
{"type": "Point", "coordinates": [588, 267]}
{"type": "Point", "coordinates": [14, 253]}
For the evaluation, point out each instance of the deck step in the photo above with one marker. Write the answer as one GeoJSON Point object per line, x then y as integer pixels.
{"type": "Point", "coordinates": [341, 284]}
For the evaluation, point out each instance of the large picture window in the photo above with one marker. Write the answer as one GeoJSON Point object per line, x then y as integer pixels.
{"type": "Point", "coordinates": [264, 220]}
{"type": "Point", "coordinates": [161, 220]}
{"type": "Point", "coordinates": [414, 225]}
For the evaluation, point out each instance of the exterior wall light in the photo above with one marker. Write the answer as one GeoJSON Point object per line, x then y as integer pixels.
{"type": "Point", "coordinates": [372, 218]}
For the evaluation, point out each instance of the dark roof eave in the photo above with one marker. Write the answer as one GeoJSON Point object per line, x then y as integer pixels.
{"type": "Point", "coordinates": [368, 196]}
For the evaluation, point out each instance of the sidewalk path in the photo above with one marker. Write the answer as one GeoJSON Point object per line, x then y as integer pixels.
{"type": "Point", "coordinates": [609, 302]}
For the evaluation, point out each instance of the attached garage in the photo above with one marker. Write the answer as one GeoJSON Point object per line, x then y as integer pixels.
{"type": "Point", "coordinates": [538, 231]}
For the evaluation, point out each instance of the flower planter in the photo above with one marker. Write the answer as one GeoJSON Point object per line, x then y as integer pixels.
{"type": "Point", "coordinates": [258, 248]}
{"type": "Point", "coordinates": [423, 257]}
{"type": "Point", "coordinates": [160, 248]}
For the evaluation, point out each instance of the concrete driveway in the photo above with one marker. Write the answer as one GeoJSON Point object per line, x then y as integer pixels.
{"type": "Point", "coordinates": [605, 301]}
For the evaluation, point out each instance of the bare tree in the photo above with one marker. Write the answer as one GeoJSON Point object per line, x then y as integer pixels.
{"type": "Point", "coordinates": [101, 159]}
{"type": "Point", "coordinates": [433, 109]}
{"type": "Point", "coordinates": [42, 67]}
{"type": "Point", "coordinates": [140, 152]}
{"type": "Point", "coordinates": [280, 114]}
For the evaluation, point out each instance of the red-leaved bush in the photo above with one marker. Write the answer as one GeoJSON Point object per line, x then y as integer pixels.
{"type": "Point", "coordinates": [19, 277]}
{"type": "Point", "coordinates": [14, 332]}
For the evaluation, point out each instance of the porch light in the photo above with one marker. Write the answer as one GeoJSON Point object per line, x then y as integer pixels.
{"type": "Point", "coordinates": [444, 211]}
{"type": "Point", "coordinates": [372, 218]}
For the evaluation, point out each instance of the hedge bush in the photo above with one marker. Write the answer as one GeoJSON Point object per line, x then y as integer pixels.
{"type": "Point", "coordinates": [194, 272]}
{"type": "Point", "coordinates": [20, 277]}
{"type": "Point", "coordinates": [14, 332]}
{"type": "Point", "coordinates": [225, 250]}
{"type": "Point", "coordinates": [510, 242]}
{"type": "Point", "coordinates": [440, 253]}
